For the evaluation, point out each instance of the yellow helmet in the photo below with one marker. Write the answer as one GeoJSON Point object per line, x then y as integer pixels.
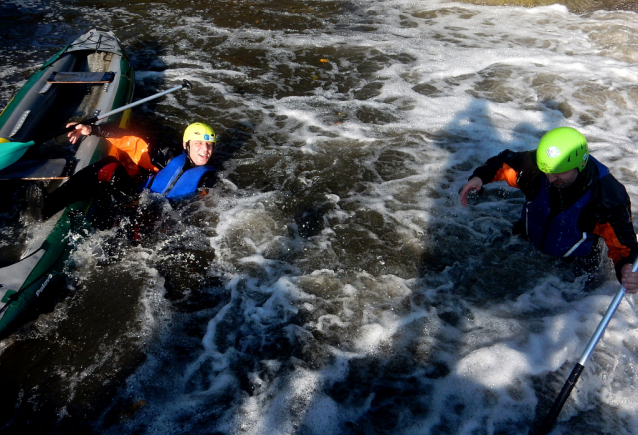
{"type": "Point", "coordinates": [199, 131]}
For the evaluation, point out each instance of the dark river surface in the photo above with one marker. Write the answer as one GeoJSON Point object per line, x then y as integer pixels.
{"type": "Point", "coordinates": [331, 283]}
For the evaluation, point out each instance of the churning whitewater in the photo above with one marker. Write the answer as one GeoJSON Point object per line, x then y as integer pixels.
{"type": "Point", "coordinates": [331, 282]}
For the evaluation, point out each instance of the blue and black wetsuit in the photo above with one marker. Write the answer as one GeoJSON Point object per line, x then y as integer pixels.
{"type": "Point", "coordinates": [108, 180]}
{"type": "Point", "coordinates": [568, 222]}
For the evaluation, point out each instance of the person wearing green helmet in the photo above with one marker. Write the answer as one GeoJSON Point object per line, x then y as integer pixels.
{"type": "Point", "coordinates": [132, 168]}
{"type": "Point", "coordinates": [572, 201]}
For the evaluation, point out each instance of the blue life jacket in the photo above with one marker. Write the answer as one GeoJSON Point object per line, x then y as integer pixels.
{"type": "Point", "coordinates": [559, 235]}
{"type": "Point", "coordinates": [176, 183]}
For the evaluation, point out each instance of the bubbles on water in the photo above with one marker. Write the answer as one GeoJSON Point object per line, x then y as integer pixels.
{"type": "Point", "coordinates": [331, 282]}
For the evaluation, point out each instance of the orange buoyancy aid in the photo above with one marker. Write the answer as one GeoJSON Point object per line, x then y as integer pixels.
{"type": "Point", "coordinates": [132, 151]}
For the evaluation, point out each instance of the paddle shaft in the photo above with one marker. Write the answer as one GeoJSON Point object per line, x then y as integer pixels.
{"type": "Point", "coordinates": [552, 415]}
{"type": "Point", "coordinates": [96, 118]}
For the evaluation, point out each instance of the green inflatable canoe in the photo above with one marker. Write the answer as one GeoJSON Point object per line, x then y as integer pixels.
{"type": "Point", "coordinates": [92, 75]}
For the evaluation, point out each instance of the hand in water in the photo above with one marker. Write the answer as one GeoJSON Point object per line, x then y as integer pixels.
{"type": "Point", "coordinates": [475, 183]}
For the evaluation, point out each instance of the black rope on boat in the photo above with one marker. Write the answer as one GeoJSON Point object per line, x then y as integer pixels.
{"type": "Point", "coordinates": [11, 298]}
{"type": "Point", "coordinates": [102, 39]}
{"type": "Point", "coordinates": [97, 44]}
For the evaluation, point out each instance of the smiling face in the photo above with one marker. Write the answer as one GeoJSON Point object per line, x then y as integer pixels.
{"type": "Point", "coordinates": [199, 151]}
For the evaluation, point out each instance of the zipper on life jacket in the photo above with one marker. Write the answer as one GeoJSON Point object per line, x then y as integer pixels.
{"type": "Point", "coordinates": [173, 181]}
{"type": "Point", "coordinates": [170, 185]}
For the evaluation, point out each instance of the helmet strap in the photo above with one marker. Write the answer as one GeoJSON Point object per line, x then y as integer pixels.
{"type": "Point", "coordinates": [188, 153]}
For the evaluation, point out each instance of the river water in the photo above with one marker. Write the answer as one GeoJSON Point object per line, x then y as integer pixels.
{"type": "Point", "coordinates": [331, 283]}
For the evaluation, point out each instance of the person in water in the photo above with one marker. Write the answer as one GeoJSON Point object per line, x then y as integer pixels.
{"type": "Point", "coordinates": [571, 202]}
{"type": "Point", "coordinates": [135, 165]}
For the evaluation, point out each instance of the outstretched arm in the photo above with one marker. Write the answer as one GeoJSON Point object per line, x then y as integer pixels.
{"type": "Point", "coordinates": [517, 169]}
{"type": "Point", "coordinates": [102, 130]}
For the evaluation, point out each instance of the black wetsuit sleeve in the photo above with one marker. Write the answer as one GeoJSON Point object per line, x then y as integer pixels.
{"type": "Point", "coordinates": [160, 156]}
{"type": "Point", "coordinates": [522, 162]}
{"type": "Point", "coordinates": [490, 168]}
{"type": "Point", "coordinates": [110, 131]}
{"type": "Point", "coordinates": [614, 209]}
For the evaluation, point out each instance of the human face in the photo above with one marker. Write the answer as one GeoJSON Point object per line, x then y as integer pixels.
{"type": "Point", "coordinates": [562, 179]}
{"type": "Point", "coordinates": [200, 151]}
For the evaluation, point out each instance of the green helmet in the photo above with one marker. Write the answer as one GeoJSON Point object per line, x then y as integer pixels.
{"type": "Point", "coordinates": [562, 149]}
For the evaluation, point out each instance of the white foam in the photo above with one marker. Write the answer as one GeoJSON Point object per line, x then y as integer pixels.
{"type": "Point", "coordinates": [338, 227]}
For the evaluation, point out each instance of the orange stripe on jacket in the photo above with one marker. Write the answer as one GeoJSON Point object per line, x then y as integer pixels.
{"type": "Point", "coordinates": [132, 151]}
{"type": "Point", "coordinates": [507, 174]}
{"type": "Point", "coordinates": [616, 250]}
